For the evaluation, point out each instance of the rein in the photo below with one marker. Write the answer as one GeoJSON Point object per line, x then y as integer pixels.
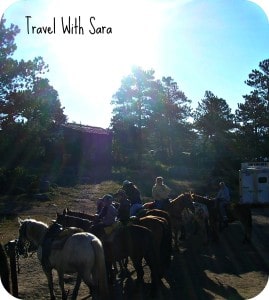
{"type": "Point", "coordinates": [23, 230]}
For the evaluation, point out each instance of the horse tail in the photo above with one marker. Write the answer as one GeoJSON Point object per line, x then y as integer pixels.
{"type": "Point", "coordinates": [100, 269]}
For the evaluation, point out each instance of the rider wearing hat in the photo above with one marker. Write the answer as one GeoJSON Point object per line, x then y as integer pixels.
{"type": "Point", "coordinates": [108, 213]}
{"type": "Point", "coordinates": [160, 193]}
{"type": "Point", "coordinates": [124, 206]}
{"type": "Point", "coordinates": [133, 195]}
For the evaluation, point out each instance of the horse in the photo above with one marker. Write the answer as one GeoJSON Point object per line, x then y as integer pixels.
{"type": "Point", "coordinates": [164, 216]}
{"type": "Point", "coordinates": [175, 208]}
{"type": "Point", "coordinates": [88, 261]}
{"type": "Point", "coordinates": [78, 214]}
{"type": "Point", "coordinates": [201, 220]}
{"type": "Point", "coordinates": [235, 211]}
{"type": "Point", "coordinates": [136, 242]}
{"type": "Point", "coordinates": [71, 221]}
{"type": "Point", "coordinates": [162, 235]}
{"type": "Point", "coordinates": [158, 213]}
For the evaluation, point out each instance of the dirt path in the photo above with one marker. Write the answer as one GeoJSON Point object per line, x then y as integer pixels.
{"type": "Point", "coordinates": [227, 270]}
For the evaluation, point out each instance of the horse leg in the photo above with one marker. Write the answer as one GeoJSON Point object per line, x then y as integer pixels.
{"type": "Point", "coordinates": [61, 284]}
{"type": "Point", "coordinates": [182, 233]}
{"type": "Point", "coordinates": [155, 272]}
{"type": "Point", "coordinates": [111, 275]}
{"type": "Point", "coordinates": [76, 288]}
{"type": "Point", "coordinates": [247, 233]}
{"type": "Point", "coordinates": [175, 231]}
{"type": "Point", "coordinates": [123, 267]}
{"type": "Point", "coordinates": [215, 233]}
{"type": "Point", "coordinates": [206, 230]}
{"type": "Point", "coordinates": [137, 262]}
{"type": "Point", "coordinates": [48, 273]}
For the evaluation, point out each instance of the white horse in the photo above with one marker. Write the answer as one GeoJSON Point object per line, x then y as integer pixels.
{"type": "Point", "coordinates": [81, 253]}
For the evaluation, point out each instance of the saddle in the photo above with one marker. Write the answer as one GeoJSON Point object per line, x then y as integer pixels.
{"type": "Point", "coordinates": [109, 229]}
{"type": "Point", "coordinates": [60, 239]}
{"type": "Point", "coordinates": [55, 240]}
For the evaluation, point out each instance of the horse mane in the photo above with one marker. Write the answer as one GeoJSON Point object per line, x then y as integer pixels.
{"type": "Point", "coordinates": [31, 220]}
{"type": "Point", "coordinates": [178, 197]}
{"type": "Point", "coordinates": [201, 197]}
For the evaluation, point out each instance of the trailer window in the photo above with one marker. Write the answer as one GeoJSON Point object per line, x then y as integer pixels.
{"type": "Point", "coordinates": [262, 180]}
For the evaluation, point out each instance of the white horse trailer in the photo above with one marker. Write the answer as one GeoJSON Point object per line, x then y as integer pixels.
{"type": "Point", "coordinates": [254, 183]}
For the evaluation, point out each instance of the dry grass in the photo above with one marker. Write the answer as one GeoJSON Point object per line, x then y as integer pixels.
{"type": "Point", "coordinates": [80, 197]}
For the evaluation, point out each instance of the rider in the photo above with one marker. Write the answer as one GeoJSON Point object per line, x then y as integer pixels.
{"type": "Point", "coordinates": [107, 215]}
{"type": "Point", "coordinates": [160, 193]}
{"type": "Point", "coordinates": [133, 195]}
{"type": "Point", "coordinates": [124, 206]}
{"type": "Point", "coordinates": [221, 200]}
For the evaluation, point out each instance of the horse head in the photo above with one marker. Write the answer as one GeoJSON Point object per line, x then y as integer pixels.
{"type": "Point", "coordinates": [184, 201]}
{"type": "Point", "coordinates": [31, 231]}
{"type": "Point", "coordinates": [60, 219]}
{"type": "Point", "coordinates": [22, 240]}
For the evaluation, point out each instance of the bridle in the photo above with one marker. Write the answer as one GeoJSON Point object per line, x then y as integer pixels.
{"type": "Point", "coordinates": [23, 231]}
{"type": "Point", "coordinates": [23, 241]}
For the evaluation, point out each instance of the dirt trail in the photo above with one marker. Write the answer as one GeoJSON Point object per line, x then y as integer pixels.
{"type": "Point", "coordinates": [227, 270]}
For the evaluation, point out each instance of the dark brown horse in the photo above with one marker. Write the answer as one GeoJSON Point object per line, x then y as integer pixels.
{"type": "Point", "coordinates": [235, 211]}
{"type": "Point", "coordinates": [159, 213]}
{"type": "Point", "coordinates": [78, 214]}
{"type": "Point", "coordinates": [174, 208]}
{"type": "Point", "coordinates": [162, 235]}
{"type": "Point", "coordinates": [136, 242]}
{"type": "Point", "coordinates": [71, 221]}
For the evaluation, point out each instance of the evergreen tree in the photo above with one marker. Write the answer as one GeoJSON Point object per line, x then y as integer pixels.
{"type": "Point", "coordinates": [30, 109]}
{"type": "Point", "coordinates": [252, 116]}
{"type": "Point", "coordinates": [215, 122]}
{"type": "Point", "coordinates": [131, 114]}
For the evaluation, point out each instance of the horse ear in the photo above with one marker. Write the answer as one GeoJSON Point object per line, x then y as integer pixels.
{"type": "Point", "coordinates": [65, 211]}
{"type": "Point", "coordinates": [20, 220]}
{"type": "Point", "coordinates": [57, 214]}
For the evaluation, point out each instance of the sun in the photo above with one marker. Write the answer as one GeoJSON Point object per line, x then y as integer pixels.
{"type": "Point", "coordinates": [86, 68]}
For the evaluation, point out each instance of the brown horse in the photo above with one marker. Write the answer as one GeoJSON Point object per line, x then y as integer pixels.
{"type": "Point", "coordinates": [78, 214]}
{"type": "Point", "coordinates": [159, 213]}
{"type": "Point", "coordinates": [175, 208]}
{"type": "Point", "coordinates": [71, 221]}
{"type": "Point", "coordinates": [136, 242]}
{"type": "Point", "coordinates": [162, 236]}
{"type": "Point", "coordinates": [235, 211]}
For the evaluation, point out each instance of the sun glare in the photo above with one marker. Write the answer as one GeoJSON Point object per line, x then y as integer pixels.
{"type": "Point", "coordinates": [87, 62]}
{"type": "Point", "coordinates": [134, 40]}
{"type": "Point", "coordinates": [81, 63]}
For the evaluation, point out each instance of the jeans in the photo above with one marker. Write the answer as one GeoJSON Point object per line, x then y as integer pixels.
{"type": "Point", "coordinates": [134, 208]}
{"type": "Point", "coordinates": [221, 203]}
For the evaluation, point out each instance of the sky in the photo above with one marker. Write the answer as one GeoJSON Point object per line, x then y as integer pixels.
{"type": "Point", "coordinates": [202, 44]}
